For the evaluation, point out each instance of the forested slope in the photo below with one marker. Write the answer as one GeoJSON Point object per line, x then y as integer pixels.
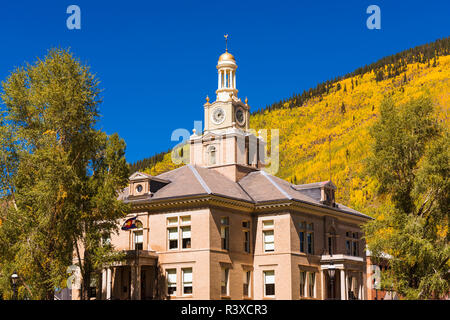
{"type": "Point", "coordinates": [332, 120]}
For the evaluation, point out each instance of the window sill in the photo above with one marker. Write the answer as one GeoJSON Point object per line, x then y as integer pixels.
{"type": "Point", "coordinates": [225, 297]}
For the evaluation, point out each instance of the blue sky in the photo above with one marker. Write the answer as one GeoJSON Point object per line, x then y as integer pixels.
{"type": "Point", "coordinates": [156, 59]}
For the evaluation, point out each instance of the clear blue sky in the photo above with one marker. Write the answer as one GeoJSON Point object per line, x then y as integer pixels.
{"type": "Point", "coordinates": [156, 59]}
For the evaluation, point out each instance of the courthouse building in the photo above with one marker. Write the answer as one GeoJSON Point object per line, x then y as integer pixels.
{"type": "Point", "coordinates": [223, 228]}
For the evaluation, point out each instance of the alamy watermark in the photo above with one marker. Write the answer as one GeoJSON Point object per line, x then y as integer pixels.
{"type": "Point", "coordinates": [74, 20]}
{"type": "Point", "coordinates": [374, 20]}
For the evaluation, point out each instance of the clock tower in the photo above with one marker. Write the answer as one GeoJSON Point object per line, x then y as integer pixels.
{"type": "Point", "coordinates": [228, 111]}
{"type": "Point", "coordinates": [227, 143]}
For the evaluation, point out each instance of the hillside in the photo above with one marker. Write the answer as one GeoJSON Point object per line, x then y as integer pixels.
{"type": "Point", "coordinates": [333, 119]}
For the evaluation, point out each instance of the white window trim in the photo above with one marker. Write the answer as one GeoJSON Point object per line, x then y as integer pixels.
{"type": "Point", "coordinates": [183, 283]}
{"type": "Point", "coordinates": [264, 282]}
{"type": "Point", "coordinates": [176, 282]}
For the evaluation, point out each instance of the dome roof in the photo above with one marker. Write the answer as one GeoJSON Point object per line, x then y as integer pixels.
{"type": "Point", "coordinates": [226, 57]}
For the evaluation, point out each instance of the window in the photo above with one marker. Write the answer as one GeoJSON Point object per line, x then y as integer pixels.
{"type": "Point", "coordinates": [225, 232]}
{"type": "Point", "coordinates": [186, 219]}
{"type": "Point", "coordinates": [138, 240]}
{"type": "Point", "coordinates": [269, 245]}
{"type": "Point", "coordinates": [187, 281]}
{"type": "Point", "coordinates": [212, 155]}
{"type": "Point", "coordinates": [171, 275]}
{"type": "Point", "coordinates": [312, 285]}
{"type": "Point", "coordinates": [246, 226]}
{"type": "Point", "coordinates": [351, 243]}
{"type": "Point", "coordinates": [302, 241]}
{"type": "Point", "coordinates": [302, 283]}
{"type": "Point", "coordinates": [306, 231]}
{"type": "Point", "coordinates": [247, 277]}
{"type": "Point", "coordinates": [173, 238]}
{"type": "Point", "coordinates": [224, 281]}
{"type": "Point", "coordinates": [176, 227]}
{"type": "Point", "coordinates": [348, 247]}
{"type": "Point", "coordinates": [330, 245]}
{"type": "Point", "coordinates": [269, 283]}
{"type": "Point", "coordinates": [268, 224]}
{"type": "Point", "coordinates": [138, 236]}
{"type": "Point", "coordinates": [172, 221]}
{"type": "Point", "coordinates": [186, 237]}
{"type": "Point", "coordinates": [355, 248]}
{"type": "Point", "coordinates": [268, 236]}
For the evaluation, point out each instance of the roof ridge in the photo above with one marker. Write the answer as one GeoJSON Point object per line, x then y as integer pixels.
{"type": "Point", "coordinates": [276, 185]}
{"type": "Point", "coordinates": [199, 178]}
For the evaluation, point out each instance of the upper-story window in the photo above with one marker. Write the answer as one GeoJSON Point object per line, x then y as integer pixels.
{"type": "Point", "coordinates": [175, 226]}
{"type": "Point", "coordinates": [268, 236]}
{"type": "Point", "coordinates": [225, 232]}
{"type": "Point", "coordinates": [331, 241]}
{"type": "Point", "coordinates": [138, 236]}
{"type": "Point", "coordinates": [246, 231]}
{"type": "Point", "coordinates": [212, 155]}
{"type": "Point", "coordinates": [185, 232]}
{"type": "Point", "coordinates": [310, 238]}
{"type": "Point", "coordinates": [351, 243]}
{"type": "Point", "coordinates": [306, 235]}
{"type": "Point", "coordinates": [172, 233]}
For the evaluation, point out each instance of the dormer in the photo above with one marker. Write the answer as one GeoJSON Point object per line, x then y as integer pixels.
{"type": "Point", "coordinates": [319, 191]}
{"type": "Point", "coordinates": [142, 184]}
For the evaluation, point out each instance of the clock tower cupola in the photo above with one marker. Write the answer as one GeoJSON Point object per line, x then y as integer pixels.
{"type": "Point", "coordinates": [227, 143]}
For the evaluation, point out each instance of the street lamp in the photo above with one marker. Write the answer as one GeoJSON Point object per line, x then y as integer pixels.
{"type": "Point", "coordinates": [331, 273]}
{"type": "Point", "coordinates": [14, 279]}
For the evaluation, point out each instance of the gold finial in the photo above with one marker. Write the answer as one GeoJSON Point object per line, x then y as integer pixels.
{"type": "Point", "coordinates": [226, 44]}
{"type": "Point", "coordinates": [246, 100]}
{"type": "Point", "coordinates": [193, 131]}
{"type": "Point", "coordinates": [207, 99]}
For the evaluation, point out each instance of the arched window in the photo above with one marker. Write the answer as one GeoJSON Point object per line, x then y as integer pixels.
{"type": "Point", "coordinates": [212, 155]}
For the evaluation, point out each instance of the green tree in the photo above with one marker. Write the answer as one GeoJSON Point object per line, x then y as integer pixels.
{"type": "Point", "coordinates": [60, 176]}
{"type": "Point", "coordinates": [410, 160]}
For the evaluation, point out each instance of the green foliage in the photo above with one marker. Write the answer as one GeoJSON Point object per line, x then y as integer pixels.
{"type": "Point", "coordinates": [411, 162]}
{"type": "Point", "coordinates": [59, 177]}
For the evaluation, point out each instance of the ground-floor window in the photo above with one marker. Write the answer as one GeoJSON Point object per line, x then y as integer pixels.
{"type": "Point", "coordinates": [187, 281]}
{"type": "Point", "coordinates": [224, 281]}
{"type": "Point", "coordinates": [247, 277]}
{"type": "Point", "coordinates": [171, 275]}
{"type": "Point", "coordinates": [302, 283]}
{"type": "Point", "coordinates": [312, 285]}
{"type": "Point", "coordinates": [269, 283]}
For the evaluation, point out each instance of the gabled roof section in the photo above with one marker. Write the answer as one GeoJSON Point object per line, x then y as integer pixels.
{"type": "Point", "coordinates": [144, 176]}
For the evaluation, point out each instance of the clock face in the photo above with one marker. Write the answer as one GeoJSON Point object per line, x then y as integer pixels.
{"type": "Point", "coordinates": [218, 115]}
{"type": "Point", "coordinates": [240, 116]}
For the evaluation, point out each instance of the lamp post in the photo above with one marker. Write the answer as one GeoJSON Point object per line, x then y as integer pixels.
{"type": "Point", "coordinates": [331, 273]}
{"type": "Point", "coordinates": [14, 279]}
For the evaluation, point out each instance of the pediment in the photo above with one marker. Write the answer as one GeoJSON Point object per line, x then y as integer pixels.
{"type": "Point", "coordinates": [139, 176]}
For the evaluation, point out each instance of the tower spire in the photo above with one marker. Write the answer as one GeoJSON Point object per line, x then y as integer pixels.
{"type": "Point", "coordinates": [226, 42]}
